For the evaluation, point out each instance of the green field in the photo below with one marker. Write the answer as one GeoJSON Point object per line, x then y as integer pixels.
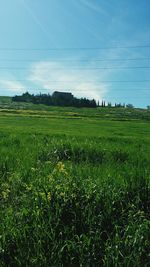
{"type": "Point", "coordinates": [74, 186]}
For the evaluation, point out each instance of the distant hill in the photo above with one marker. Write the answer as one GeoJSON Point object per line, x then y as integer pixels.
{"type": "Point", "coordinates": [7, 103]}
{"type": "Point", "coordinates": [7, 106]}
{"type": "Point", "coordinates": [5, 99]}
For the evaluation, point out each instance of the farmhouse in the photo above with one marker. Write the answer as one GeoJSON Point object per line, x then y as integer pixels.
{"type": "Point", "coordinates": [63, 95]}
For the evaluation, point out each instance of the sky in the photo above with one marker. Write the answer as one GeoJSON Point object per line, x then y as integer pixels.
{"type": "Point", "coordinates": [93, 48]}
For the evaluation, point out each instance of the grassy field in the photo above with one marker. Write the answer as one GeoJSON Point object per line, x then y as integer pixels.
{"type": "Point", "coordinates": [74, 186]}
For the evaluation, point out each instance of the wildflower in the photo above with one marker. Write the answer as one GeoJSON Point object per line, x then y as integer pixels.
{"type": "Point", "coordinates": [60, 166]}
{"type": "Point", "coordinates": [49, 196]}
{"type": "Point", "coordinates": [5, 193]}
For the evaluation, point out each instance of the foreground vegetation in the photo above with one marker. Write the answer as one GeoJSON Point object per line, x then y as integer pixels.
{"type": "Point", "coordinates": [74, 187]}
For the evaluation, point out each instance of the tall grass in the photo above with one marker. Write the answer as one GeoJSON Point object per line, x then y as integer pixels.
{"type": "Point", "coordinates": [74, 201]}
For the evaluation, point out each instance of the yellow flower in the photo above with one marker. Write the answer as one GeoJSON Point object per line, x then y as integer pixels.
{"type": "Point", "coordinates": [5, 193]}
{"type": "Point", "coordinates": [45, 197]}
{"type": "Point", "coordinates": [49, 196]}
{"type": "Point", "coordinates": [60, 166]}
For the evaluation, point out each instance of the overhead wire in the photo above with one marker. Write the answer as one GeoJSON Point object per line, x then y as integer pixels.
{"type": "Point", "coordinates": [74, 60]}
{"type": "Point", "coordinates": [79, 68]}
{"type": "Point", "coordinates": [72, 48]}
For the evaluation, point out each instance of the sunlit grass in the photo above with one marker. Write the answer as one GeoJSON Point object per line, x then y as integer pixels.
{"type": "Point", "coordinates": [74, 192]}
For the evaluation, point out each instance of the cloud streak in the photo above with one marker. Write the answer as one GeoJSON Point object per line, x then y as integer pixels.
{"type": "Point", "coordinates": [35, 18]}
{"type": "Point", "coordinates": [12, 86]}
{"type": "Point", "coordinates": [94, 7]}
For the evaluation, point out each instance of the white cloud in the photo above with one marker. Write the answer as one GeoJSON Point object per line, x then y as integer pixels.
{"type": "Point", "coordinates": [63, 77]}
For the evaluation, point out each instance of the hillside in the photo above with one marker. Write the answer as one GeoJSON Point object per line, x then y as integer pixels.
{"type": "Point", "coordinates": [74, 186]}
{"type": "Point", "coordinates": [27, 109]}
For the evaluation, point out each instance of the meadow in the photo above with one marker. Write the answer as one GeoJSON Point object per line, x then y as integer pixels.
{"type": "Point", "coordinates": [74, 186]}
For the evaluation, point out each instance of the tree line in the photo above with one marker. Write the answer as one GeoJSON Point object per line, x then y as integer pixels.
{"type": "Point", "coordinates": [64, 99]}
{"type": "Point", "coordinates": [56, 99]}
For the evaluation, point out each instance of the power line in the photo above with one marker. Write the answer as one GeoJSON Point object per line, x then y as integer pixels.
{"type": "Point", "coordinates": [73, 89]}
{"type": "Point", "coordinates": [74, 48]}
{"type": "Point", "coordinates": [84, 81]}
{"type": "Point", "coordinates": [74, 60]}
{"type": "Point", "coordinates": [95, 68]}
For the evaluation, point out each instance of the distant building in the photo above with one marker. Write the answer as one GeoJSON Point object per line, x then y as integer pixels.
{"type": "Point", "coordinates": [63, 95]}
{"type": "Point", "coordinates": [62, 98]}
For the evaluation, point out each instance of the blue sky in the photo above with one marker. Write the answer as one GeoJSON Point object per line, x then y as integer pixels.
{"type": "Point", "coordinates": [118, 71]}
